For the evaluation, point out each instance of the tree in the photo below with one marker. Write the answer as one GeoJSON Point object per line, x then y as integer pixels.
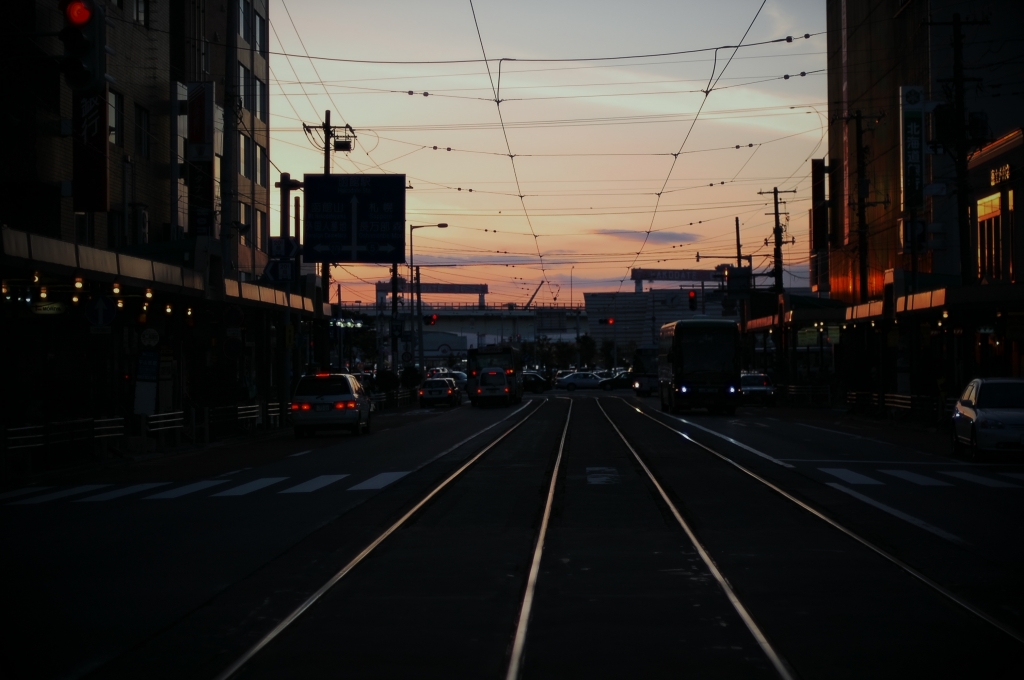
{"type": "Point", "coordinates": [587, 349]}
{"type": "Point", "coordinates": [608, 353]}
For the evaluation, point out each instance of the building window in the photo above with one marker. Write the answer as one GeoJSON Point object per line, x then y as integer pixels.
{"type": "Point", "coordinates": [140, 12]}
{"type": "Point", "coordinates": [244, 91]}
{"type": "Point", "coordinates": [243, 156]}
{"type": "Point", "coordinates": [990, 238]}
{"type": "Point", "coordinates": [142, 133]}
{"type": "Point", "coordinates": [245, 217]}
{"type": "Point", "coordinates": [260, 97]}
{"type": "Point", "coordinates": [262, 234]}
{"type": "Point", "coordinates": [262, 166]}
{"type": "Point", "coordinates": [116, 103]}
{"type": "Point", "coordinates": [244, 20]}
{"type": "Point", "coordinates": [259, 34]}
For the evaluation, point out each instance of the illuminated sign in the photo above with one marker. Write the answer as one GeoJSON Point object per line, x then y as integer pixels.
{"type": "Point", "coordinates": [999, 175]}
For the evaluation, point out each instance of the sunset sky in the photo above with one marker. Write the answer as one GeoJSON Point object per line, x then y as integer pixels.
{"type": "Point", "coordinates": [593, 140]}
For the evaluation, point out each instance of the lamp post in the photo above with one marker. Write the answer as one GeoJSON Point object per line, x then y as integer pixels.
{"type": "Point", "coordinates": [419, 297]}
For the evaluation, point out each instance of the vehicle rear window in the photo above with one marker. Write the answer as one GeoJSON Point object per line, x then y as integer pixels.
{"type": "Point", "coordinates": [1001, 395]}
{"type": "Point", "coordinates": [322, 387]}
{"type": "Point", "coordinates": [435, 383]}
{"type": "Point", "coordinates": [755, 381]}
{"type": "Point", "coordinates": [492, 379]}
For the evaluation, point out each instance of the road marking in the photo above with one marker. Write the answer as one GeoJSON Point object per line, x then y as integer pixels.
{"type": "Point", "coordinates": [602, 475]}
{"type": "Point", "coordinates": [984, 481]}
{"type": "Point", "coordinates": [60, 494]}
{"type": "Point", "coordinates": [117, 493]}
{"type": "Point", "coordinates": [1015, 475]}
{"type": "Point", "coordinates": [249, 487]}
{"type": "Point", "coordinates": [901, 515]}
{"type": "Point", "coordinates": [915, 478]}
{"type": "Point", "coordinates": [187, 489]}
{"type": "Point", "coordinates": [878, 462]}
{"type": "Point", "coordinates": [314, 484]}
{"type": "Point", "coordinates": [378, 481]}
{"type": "Point", "coordinates": [849, 476]}
{"type": "Point", "coordinates": [300, 453]}
{"type": "Point", "coordinates": [734, 442]}
{"type": "Point", "coordinates": [22, 492]}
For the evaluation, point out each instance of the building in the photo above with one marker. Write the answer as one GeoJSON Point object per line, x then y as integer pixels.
{"type": "Point", "coordinates": [130, 267]}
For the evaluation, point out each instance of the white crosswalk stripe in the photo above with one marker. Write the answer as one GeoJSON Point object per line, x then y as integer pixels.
{"type": "Point", "coordinates": [984, 481]}
{"type": "Point", "coordinates": [60, 494]}
{"type": "Point", "coordinates": [23, 492]}
{"type": "Point", "coordinates": [378, 481]}
{"type": "Point", "coordinates": [249, 487]}
{"type": "Point", "coordinates": [187, 489]}
{"type": "Point", "coordinates": [849, 476]}
{"type": "Point", "coordinates": [314, 484]}
{"type": "Point", "coordinates": [913, 477]}
{"type": "Point", "coordinates": [118, 493]}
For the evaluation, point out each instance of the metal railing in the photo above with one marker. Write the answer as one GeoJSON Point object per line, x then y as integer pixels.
{"type": "Point", "coordinates": [920, 406]}
{"type": "Point", "coordinates": [56, 444]}
{"type": "Point", "coordinates": [820, 395]}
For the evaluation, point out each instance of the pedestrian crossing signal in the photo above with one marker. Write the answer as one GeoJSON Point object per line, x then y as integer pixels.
{"type": "Point", "coordinates": [693, 300]}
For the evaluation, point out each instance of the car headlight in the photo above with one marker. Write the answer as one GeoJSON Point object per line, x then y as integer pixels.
{"type": "Point", "coordinates": [732, 390]}
{"type": "Point", "coordinates": [987, 423]}
{"type": "Point", "coordinates": [636, 386]}
{"type": "Point", "coordinates": [682, 390]}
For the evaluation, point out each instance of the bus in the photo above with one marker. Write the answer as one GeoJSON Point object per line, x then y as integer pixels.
{"type": "Point", "coordinates": [506, 358]}
{"type": "Point", "coordinates": [699, 365]}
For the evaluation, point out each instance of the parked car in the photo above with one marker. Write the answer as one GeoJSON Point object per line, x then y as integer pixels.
{"type": "Point", "coordinates": [617, 382]}
{"type": "Point", "coordinates": [439, 391]}
{"type": "Point", "coordinates": [989, 417]}
{"type": "Point", "coordinates": [575, 381]}
{"type": "Point", "coordinates": [563, 372]}
{"type": "Point", "coordinates": [330, 401]}
{"type": "Point", "coordinates": [536, 383]}
{"type": "Point", "coordinates": [757, 389]}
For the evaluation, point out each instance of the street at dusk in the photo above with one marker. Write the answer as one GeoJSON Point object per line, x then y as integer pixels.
{"type": "Point", "coordinates": [468, 339]}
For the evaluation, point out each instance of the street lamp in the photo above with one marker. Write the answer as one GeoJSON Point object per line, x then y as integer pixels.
{"type": "Point", "coordinates": [419, 298]}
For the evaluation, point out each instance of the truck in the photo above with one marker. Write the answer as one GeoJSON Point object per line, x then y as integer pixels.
{"type": "Point", "coordinates": [644, 372]}
{"type": "Point", "coordinates": [505, 357]}
{"type": "Point", "coordinates": [699, 365]}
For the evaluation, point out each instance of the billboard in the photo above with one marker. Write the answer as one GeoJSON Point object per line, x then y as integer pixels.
{"type": "Point", "coordinates": [354, 218]}
{"type": "Point", "coordinates": [912, 147]}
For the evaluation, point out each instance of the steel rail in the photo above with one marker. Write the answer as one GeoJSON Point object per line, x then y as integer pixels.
{"type": "Point", "coordinates": [312, 599]}
{"type": "Point", "coordinates": [531, 582]}
{"type": "Point", "coordinates": [781, 667]}
{"type": "Point", "coordinates": [1016, 635]}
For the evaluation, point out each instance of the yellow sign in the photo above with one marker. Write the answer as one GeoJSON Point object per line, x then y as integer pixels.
{"type": "Point", "coordinates": [999, 175]}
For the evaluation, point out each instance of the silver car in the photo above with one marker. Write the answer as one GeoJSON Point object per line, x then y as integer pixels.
{"type": "Point", "coordinates": [989, 417]}
{"type": "Point", "coordinates": [579, 380]}
{"type": "Point", "coordinates": [330, 401]}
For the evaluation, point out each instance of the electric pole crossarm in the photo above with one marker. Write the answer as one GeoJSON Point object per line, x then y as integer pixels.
{"type": "Point", "coordinates": [778, 235]}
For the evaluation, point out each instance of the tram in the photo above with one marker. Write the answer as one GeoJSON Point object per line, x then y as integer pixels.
{"type": "Point", "coordinates": [699, 365]}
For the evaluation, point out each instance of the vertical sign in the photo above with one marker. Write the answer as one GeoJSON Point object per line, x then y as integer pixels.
{"type": "Point", "coordinates": [201, 157]}
{"type": "Point", "coordinates": [912, 146]}
{"type": "Point", "coordinates": [91, 147]}
{"type": "Point", "coordinates": [354, 218]}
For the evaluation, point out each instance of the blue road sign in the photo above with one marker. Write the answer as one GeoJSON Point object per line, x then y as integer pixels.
{"type": "Point", "coordinates": [100, 311]}
{"type": "Point", "coordinates": [354, 218]}
{"type": "Point", "coordinates": [284, 248]}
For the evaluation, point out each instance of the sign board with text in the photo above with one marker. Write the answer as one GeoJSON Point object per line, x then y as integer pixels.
{"type": "Point", "coordinates": [912, 147]}
{"type": "Point", "coordinates": [675, 275]}
{"type": "Point", "coordinates": [354, 218]}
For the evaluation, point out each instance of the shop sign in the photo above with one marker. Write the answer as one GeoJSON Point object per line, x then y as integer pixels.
{"type": "Point", "coordinates": [912, 146]}
{"type": "Point", "coordinates": [999, 175]}
{"type": "Point", "coordinates": [48, 308]}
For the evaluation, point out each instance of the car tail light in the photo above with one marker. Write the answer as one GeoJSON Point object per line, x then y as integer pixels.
{"type": "Point", "coordinates": [479, 391]}
{"type": "Point", "coordinates": [472, 373]}
{"type": "Point", "coordinates": [506, 389]}
{"type": "Point", "coordinates": [421, 393]}
{"type": "Point", "coordinates": [766, 383]}
{"type": "Point", "coordinates": [510, 371]}
{"type": "Point", "coordinates": [449, 391]}
{"type": "Point", "coordinates": [295, 407]}
{"type": "Point", "coordinates": [344, 404]}
{"type": "Point", "coordinates": [305, 407]}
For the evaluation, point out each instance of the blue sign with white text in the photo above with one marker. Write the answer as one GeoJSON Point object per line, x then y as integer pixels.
{"type": "Point", "coordinates": [354, 218]}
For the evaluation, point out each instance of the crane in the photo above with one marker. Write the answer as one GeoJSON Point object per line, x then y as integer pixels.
{"type": "Point", "coordinates": [537, 290]}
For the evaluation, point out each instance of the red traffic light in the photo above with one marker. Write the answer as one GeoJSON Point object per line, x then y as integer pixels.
{"type": "Point", "coordinates": [693, 294]}
{"type": "Point", "coordinates": [611, 322]}
{"type": "Point", "coordinates": [78, 13]}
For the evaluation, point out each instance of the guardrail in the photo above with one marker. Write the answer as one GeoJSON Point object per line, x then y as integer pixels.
{"type": "Point", "coordinates": [56, 444]}
{"type": "Point", "coordinates": [820, 395]}
{"type": "Point", "coordinates": [923, 406]}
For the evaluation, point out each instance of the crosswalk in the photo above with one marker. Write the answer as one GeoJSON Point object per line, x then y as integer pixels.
{"type": "Point", "coordinates": [991, 481]}
{"type": "Point", "coordinates": [85, 493]}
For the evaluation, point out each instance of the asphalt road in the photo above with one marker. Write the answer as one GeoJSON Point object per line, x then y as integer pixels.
{"type": "Point", "coordinates": [845, 551]}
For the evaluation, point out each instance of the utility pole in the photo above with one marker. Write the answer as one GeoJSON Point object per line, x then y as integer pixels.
{"type": "Point", "coordinates": [739, 248]}
{"type": "Point", "coordinates": [419, 321]}
{"type": "Point", "coordinates": [777, 232]}
{"type": "Point", "coordinates": [960, 145]}
{"type": "Point", "coordinates": [394, 316]}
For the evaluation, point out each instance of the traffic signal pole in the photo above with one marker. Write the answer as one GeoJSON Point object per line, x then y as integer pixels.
{"type": "Point", "coordinates": [419, 321]}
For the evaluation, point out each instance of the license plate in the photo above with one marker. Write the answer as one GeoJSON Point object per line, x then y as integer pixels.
{"type": "Point", "coordinates": [323, 407]}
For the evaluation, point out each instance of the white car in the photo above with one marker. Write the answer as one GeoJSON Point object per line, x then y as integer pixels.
{"type": "Point", "coordinates": [330, 401]}
{"type": "Point", "coordinates": [581, 381]}
{"type": "Point", "coordinates": [989, 417]}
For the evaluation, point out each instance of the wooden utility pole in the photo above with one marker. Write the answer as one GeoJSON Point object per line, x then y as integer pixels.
{"type": "Point", "coordinates": [777, 232]}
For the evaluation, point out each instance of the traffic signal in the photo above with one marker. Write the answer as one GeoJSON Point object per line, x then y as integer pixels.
{"type": "Point", "coordinates": [85, 44]}
{"type": "Point", "coordinates": [693, 300]}
{"type": "Point", "coordinates": [430, 320]}
{"type": "Point", "coordinates": [609, 322]}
